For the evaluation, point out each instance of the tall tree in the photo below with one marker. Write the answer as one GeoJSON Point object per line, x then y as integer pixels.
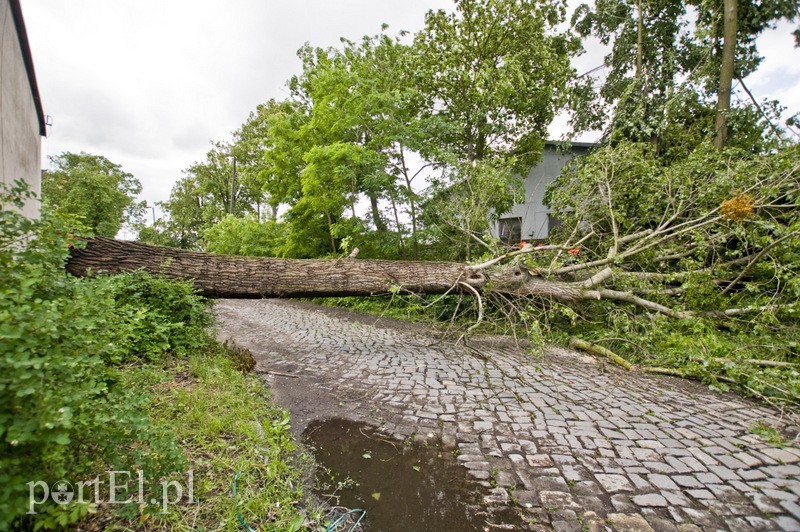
{"type": "Point", "coordinates": [727, 31]}
{"type": "Point", "coordinates": [226, 185]}
{"type": "Point", "coordinates": [94, 189]}
{"type": "Point", "coordinates": [355, 127]}
{"type": "Point", "coordinates": [666, 63]}
{"type": "Point", "coordinates": [646, 56]}
{"type": "Point", "coordinates": [183, 224]}
{"type": "Point", "coordinates": [730, 29]}
{"type": "Point", "coordinates": [492, 75]}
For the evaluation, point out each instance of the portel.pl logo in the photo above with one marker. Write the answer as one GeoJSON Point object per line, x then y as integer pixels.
{"type": "Point", "coordinates": [119, 484]}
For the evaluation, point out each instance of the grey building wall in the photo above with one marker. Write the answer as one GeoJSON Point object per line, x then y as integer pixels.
{"type": "Point", "coordinates": [533, 214]}
{"type": "Point", "coordinates": [20, 118]}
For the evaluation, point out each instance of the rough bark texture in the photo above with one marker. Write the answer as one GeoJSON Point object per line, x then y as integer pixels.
{"type": "Point", "coordinates": [250, 277]}
{"type": "Point", "coordinates": [254, 277]}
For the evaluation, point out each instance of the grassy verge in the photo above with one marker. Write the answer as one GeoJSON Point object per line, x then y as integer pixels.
{"type": "Point", "coordinates": [225, 423]}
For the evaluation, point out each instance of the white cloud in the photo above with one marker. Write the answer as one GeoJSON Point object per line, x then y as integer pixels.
{"type": "Point", "coordinates": [150, 83]}
{"type": "Point", "coordinates": [778, 77]}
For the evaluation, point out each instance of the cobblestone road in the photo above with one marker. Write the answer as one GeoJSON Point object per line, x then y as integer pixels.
{"type": "Point", "coordinates": [576, 443]}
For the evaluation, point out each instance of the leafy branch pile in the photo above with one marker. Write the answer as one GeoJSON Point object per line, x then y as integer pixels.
{"type": "Point", "coordinates": [689, 263]}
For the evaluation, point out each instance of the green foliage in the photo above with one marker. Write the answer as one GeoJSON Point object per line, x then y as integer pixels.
{"type": "Point", "coordinates": [186, 221]}
{"type": "Point", "coordinates": [768, 433]}
{"type": "Point", "coordinates": [64, 413]}
{"type": "Point", "coordinates": [624, 186]}
{"type": "Point", "coordinates": [698, 348]}
{"type": "Point", "coordinates": [733, 222]}
{"type": "Point", "coordinates": [754, 17]}
{"type": "Point", "coordinates": [462, 206]}
{"type": "Point", "coordinates": [93, 189]}
{"type": "Point", "coordinates": [246, 236]}
{"type": "Point", "coordinates": [492, 75]}
{"type": "Point", "coordinates": [665, 55]}
{"type": "Point", "coordinates": [153, 316]}
{"type": "Point", "coordinates": [110, 373]}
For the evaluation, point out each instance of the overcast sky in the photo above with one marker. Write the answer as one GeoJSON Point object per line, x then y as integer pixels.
{"type": "Point", "coordinates": [149, 83]}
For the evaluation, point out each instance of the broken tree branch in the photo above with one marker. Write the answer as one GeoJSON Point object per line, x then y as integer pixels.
{"type": "Point", "coordinates": [583, 345]}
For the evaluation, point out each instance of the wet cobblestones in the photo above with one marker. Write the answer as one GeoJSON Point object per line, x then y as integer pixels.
{"type": "Point", "coordinates": [575, 443]}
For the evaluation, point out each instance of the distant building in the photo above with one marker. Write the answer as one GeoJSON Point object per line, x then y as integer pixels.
{"type": "Point", "coordinates": [22, 121]}
{"type": "Point", "coordinates": [531, 220]}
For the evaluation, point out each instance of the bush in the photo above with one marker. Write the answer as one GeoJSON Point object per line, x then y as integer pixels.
{"type": "Point", "coordinates": [63, 413]}
{"type": "Point", "coordinates": [153, 316]}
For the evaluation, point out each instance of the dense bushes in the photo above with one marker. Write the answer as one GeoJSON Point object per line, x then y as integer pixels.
{"type": "Point", "coordinates": [63, 413]}
{"type": "Point", "coordinates": [153, 316]}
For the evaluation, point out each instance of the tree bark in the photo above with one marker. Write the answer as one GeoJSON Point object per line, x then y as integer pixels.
{"type": "Point", "coordinates": [256, 277]}
{"type": "Point", "coordinates": [730, 30]}
{"type": "Point", "coordinates": [376, 213]}
{"type": "Point", "coordinates": [639, 39]}
{"type": "Point", "coordinates": [251, 277]}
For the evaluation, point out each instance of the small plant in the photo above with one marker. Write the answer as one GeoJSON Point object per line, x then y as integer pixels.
{"type": "Point", "coordinates": [768, 433]}
{"type": "Point", "coordinates": [493, 477]}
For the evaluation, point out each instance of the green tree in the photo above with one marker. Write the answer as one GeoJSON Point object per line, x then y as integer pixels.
{"type": "Point", "coordinates": [492, 76]}
{"type": "Point", "coordinates": [459, 208]}
{"type": "Point", "coordinates": [246, 236]}
{"type": "Point", "coordinates": [352, 123]}
{"type": "Point", "coordinates": [656, 43]}
{"type": "Point", "coordinates": [647, 54]}
{"type": "Point", "coordinates": [219, 185]}
{"type": "Point", "coordinates": [727, 31]}
{"type": "Point", "coordinates": [184, 223]}
{"type": "Point", "coordinates": [94, 189]}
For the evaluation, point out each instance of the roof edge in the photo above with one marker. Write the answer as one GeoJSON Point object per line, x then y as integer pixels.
{"type": "Point", "coordinates": [576, 144]}
{"type": "Point", "coordinates": [22, 35]}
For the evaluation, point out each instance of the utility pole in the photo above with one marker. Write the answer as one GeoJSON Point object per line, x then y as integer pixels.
{"type": "Point", "coordinates": [233, 185]}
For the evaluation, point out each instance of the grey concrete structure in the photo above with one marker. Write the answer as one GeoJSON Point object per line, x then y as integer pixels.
{"type": "Point", "coordinates": [531, 220]}
{"type": "Point", "coordinates": [572, 443]}
{"type": "Point", "coordinates": [22, 122]}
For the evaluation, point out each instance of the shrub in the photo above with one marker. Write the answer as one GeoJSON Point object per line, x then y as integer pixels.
{"type": "Point", "coordinates": [152, 316]}
{"type": "Point", "coordinates": [63, 413]}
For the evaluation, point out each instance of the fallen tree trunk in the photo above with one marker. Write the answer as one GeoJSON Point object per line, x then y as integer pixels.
{"type": "Point", "coordinates": [258, 277]}
{"type": "Point", "coordinates": [253, 277]}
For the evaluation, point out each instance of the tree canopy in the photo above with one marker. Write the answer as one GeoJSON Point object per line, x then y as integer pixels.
{"type": "Point", "coordinates": [93, 189]}
{"type": "Point", "coordinates": [668, 59]}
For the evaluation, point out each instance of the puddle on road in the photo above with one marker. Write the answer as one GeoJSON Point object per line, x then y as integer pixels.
{"type": "Point", "coordinates": [401, 488]}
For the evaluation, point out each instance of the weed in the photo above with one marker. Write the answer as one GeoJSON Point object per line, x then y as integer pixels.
{"type": "Point", "coordinates": [768, 433]}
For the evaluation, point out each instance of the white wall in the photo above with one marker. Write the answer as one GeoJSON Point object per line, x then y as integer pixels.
{"type": "Point", "coordinates": [20, 141]}
{"type": "Point", "coordinates": [533, 211]}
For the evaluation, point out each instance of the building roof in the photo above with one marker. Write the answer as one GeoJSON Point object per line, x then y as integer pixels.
{"type": "Point", "coordinates": [571, 143]}
{"type": "Point", "coordinates": [22, 35]}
